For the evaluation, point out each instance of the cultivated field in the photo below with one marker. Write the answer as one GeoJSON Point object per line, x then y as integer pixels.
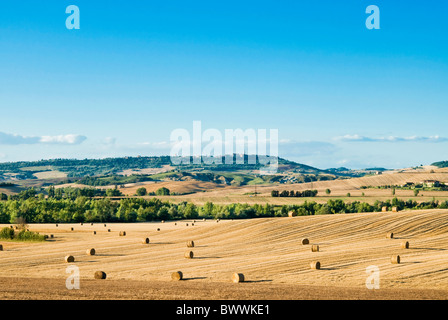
{"type": "Point", "coordinates": [267, 251]}
{"type": "Point", "coordinates": [200, 192]}
{"type": "Point", "coordinates": [164, 168]}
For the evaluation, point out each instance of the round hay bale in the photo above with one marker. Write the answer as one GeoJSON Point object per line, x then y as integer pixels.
{"type": "Point", "coordinates": [186, 224]}
{"type": "Point", "coordinates": [315, 248]}
{"type": "Point", "coordinates": [177, 276]}
{"type": "Point", "coordinates": [91, 223]}
{"type": "Point", "coordinates": [57, 225]}
{"type": "Point", "coordinates": [384, 209]}
{"type": "Point", "coordinates": [122, 233]}
{"type": "Point", "coordinates": [1, 247]}
{"type": "Point", "coordinates": [315, 265]}
{"type": "Point", "coordinates": [192, 224]}
{"type": "Point", "coordinates": [51, 236]}
{"type": "Point", "coordinates": [108, 230]}
{"type": "Point", "coordinates": [175, 223]}
{"type": "Point", "coordinates": [203, 219]}
{"type": "Point", "coordinates": [90, 252]}
{"type": "Point", "coordinates": [100, 275]}
{"type": "Point", "coordinates": [189, 255]}
{"type": "Point", "coordinates": [94, 232]}
{"type": "Point", "coordinates": [217, 220]}
{"type": "Point", "coordinates": [405, 245]}
{"type": "Point", "coordinates": [237, 277]}
{"type": "Point", "coordinates": [45, 236]}
{"type": "Point", "coordinates": [190, 244]}
{"type": "Point", "coordinates": [72, 229]}
{"type": "Point", "coordinates": [394, 209]}
{"type": "Point", "coordinates": [390, 235]}
{"type": "Point", "coordinates": [305, 241]}
{"type": "Point", "coordinates": [145, 241]}
{"type": "Point", "coordinates": [158, 229]}
{"type": "Point", "coordinates": [163, 221]}
{"type": "Point", "coordinates": [69, 259]}
{"type": "Point", "coordinates": [81, 224]}
{"type": "Point", "coordinates": [105, 225]}
{"type": "Point", "coordinates": [292, 214]}
{"type": "Point", "coordinates": [395, 259]}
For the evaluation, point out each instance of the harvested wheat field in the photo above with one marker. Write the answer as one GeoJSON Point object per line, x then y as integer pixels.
{"type": "Point", "coordinates": [200, 192]}
{"type": "Point", "coordinates": [180, 187]}
{"type": "Point", "coordinates": [267, 251]}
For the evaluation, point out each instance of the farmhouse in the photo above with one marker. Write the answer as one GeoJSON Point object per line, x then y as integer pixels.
{"type": "Point", "coordinates": [431, 183]}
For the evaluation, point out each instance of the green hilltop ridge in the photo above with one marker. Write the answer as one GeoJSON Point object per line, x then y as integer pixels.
{"type": "Point", "coordinates": [109, 171]}
{"type": "Point", "coordinates": [440, 164]}
{"type": "Point", "coordinates": [96, 167]}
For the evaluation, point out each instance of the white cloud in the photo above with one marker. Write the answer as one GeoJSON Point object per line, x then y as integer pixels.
{"type": "Point", "coordinates": [359, 138]}
{"type": "Point", "coordinates": [63, 139]}
{"type": "Point", "coordinates": [15, 139]}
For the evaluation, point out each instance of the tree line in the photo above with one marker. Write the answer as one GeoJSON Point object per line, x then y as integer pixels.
{"type": "Point", "coordinates": [39, 209]}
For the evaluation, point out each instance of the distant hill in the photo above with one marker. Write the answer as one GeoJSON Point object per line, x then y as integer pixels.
{"type": "Point", "coordinates": [126, 170]}
{"type": "Point", "coordinates": [376, 169]}
{"type": "Point", "coordinates": [80, 168]}
{"type": "Point", "coordinates": [440, 164]}
{"type": "Point", "coordinates": [343, 171]}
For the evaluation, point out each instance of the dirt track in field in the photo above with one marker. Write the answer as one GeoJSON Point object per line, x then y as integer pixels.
{"type": "Point", "coordinates": [267, 251]}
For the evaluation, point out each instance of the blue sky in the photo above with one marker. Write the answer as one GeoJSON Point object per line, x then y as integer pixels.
{"type": "Point", "coordinates": [339, 94]}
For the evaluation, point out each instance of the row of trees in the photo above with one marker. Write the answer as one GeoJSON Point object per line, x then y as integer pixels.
{"type": "Point", "coordinates": [418, 186]}
{"type": "Point", "coordinates": [292, 193]}
{"type": "Point", "coordinates": [73, 193]}
{"type": "Point", "coordinates": [84, 209]}
{"type": "Point", "coordinates": [62, 193]}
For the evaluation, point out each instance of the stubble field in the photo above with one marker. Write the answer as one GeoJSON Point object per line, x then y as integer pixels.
{"type": "Point", "coordinates": [268, 251]}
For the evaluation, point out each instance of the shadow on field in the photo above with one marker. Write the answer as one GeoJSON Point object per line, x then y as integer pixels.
{"type": "Point", "coordinates": [161, 243]}
{"type": "Point", "coordinates": [436, 249]}
{"type": "Point", "coordinates": [257, 281]}
{"type": "Point", "coordinates": [207, 258]}
{"type": "Point", "coordinates": [194, 278]}
{"type": "Point", "coordinates": [109, 254]}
